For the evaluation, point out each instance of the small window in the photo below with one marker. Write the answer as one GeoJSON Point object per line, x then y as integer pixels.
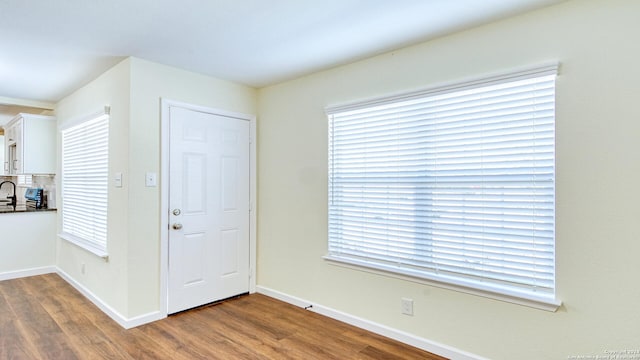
{"type": "Point", "coordinates": [85, 175]}
{"type": "Point", "coordinates": [455, 185]}
{"type": "Point", "coordinates": [25, 181]}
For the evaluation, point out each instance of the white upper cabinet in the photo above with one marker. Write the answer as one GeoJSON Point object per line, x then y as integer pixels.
{"type": "Point", "coordinates": [30, 145]}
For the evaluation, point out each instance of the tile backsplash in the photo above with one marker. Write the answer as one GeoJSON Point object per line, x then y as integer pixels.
{"type": "Point", "coordinates": [47, 182]}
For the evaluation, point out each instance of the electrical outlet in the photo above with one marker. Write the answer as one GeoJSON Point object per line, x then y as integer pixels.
{"type": "Point", "coordinates": [407, 306]}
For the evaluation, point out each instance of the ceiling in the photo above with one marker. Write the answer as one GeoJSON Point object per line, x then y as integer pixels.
{"type": "Point", "coordinates": [50, 48]}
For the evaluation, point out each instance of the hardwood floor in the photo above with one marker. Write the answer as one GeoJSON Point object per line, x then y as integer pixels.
{"type": "Point", "coordinates": [43, 317]}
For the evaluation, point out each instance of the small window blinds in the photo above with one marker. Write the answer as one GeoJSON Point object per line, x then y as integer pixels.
{"type": "Point", "coordinates": [454, 184]}
{"type": "Point", "coordinates": [85, 175]}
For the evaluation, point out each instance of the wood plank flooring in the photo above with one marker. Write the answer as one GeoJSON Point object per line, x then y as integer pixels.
{"type": "Point", "coordinates": [43, 317]}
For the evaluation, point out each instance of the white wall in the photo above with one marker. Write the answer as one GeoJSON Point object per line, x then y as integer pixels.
{"type": "Point", "coordinates": [597, 242]}
{"type": "Point", "coordinates": [129, 282]}
{"type": "Point", "coordinates": [27, 241]}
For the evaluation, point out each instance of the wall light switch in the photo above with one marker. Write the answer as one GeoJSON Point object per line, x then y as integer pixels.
{"type": "Point", "coordinates": [150, 179]}
{"type": "Point", "coordinates": [117, 180]}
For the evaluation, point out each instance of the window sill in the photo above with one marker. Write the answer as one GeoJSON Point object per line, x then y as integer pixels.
{"type": "Point", "coordinates": [537, 302]}
{"type": "Point", "coordinates": [86, 245]}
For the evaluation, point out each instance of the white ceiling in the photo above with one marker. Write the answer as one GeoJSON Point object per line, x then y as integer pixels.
{"type": "Point", "coordinates": [50, 48]}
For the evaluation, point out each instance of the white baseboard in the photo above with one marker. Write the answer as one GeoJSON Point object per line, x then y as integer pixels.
{"type": "Point", "coordinates": [27, 272]}
{"type": "Point", "coordinates": [410, 339]}
{"type": "Point", "coordinates": [126, 323]}
{"type": "Point", "coordinates": [123, 321]}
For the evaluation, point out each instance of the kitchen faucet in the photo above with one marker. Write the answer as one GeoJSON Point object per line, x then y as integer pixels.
{"type": "Point", "coordinates": [13, 197]}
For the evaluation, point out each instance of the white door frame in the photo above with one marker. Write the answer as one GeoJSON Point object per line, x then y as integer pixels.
{"type": "Point", "coordinates": [166, 104]}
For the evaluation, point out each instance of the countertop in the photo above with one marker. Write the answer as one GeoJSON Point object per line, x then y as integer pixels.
{"type": "Point", "coordinates": [5, 209]}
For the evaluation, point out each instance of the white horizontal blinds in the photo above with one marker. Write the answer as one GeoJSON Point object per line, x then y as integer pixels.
{"type": "Point", "coordinates": [452, 185]}
{"type": "Point", "coordinates": [85, 175]}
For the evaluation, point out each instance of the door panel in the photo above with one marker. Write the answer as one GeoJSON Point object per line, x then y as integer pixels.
{"type": "Point", "coordinates": [194, 249]}
{"type": "Point", "coordinates": [209, 185]}
{"type": "Point", "coordinates": [229, 183]}
{"type": "Point", "coordinates": [194, 182]}
{"type": "Point", "coordinates": [230, 249]}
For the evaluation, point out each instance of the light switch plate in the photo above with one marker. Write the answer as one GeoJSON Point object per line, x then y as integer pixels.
{"type": "Point", "coordinates": [117, 180]}
{"type": "Point", "coordinates": [150, 179]}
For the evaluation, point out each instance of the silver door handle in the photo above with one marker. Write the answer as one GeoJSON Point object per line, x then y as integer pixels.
{"type": "Point", "coordinates": [177, 226]}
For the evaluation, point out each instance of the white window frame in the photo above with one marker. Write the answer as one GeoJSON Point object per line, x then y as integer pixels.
{"type": "Point", "coordinates": [84, 197]}
{"type": "Point", "coordinates": [344, 253]}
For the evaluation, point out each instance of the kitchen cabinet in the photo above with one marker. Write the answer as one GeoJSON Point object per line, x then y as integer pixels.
{"type": "Point", "coordinates": [30, 145]}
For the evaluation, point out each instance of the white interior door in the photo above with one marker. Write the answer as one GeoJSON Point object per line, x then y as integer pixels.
{"type": "Point", "coordinates": [208, 208]}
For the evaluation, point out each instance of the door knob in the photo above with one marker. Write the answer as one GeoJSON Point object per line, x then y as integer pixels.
{"type": "Point", "coordinates": [177, 226]}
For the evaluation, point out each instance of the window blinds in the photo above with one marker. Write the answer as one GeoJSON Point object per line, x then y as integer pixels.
{"type": "Point", "coordinates": [85, 175]}
{"type": "Point", "coordinates": [455, 184]}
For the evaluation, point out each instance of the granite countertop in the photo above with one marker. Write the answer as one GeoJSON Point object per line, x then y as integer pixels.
{"type": "Point", "coordinates": [5, 209]}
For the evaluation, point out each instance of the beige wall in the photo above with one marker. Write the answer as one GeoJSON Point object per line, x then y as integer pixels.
{"type": "Point", "coordinates": [129, 282]}
{"type": "Point", "coordinates": [598, 127]}
{"type": "Point", "coordinates": [105, 279]}
{"type": "Point", "coordinates": [149, 83]}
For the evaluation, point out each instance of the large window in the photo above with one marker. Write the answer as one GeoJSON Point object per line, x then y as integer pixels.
{"type": "Point", "coordinates": [85, 178]}
{"type": "Point", "coordinates": [454, 185]}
